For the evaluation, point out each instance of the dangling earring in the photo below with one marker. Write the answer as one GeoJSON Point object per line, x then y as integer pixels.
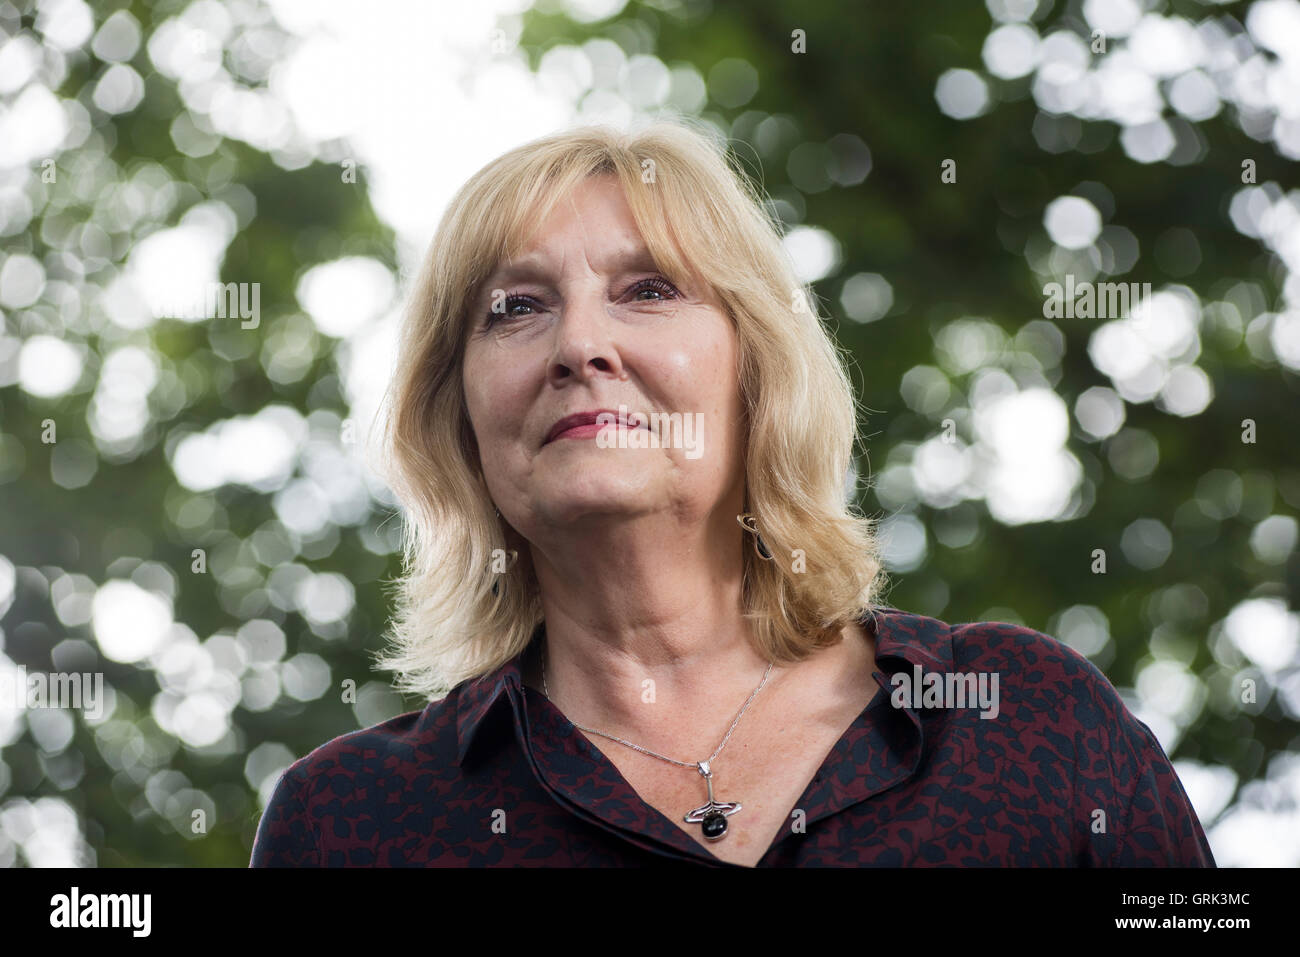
{"type": "Point", "coordinates": [749, 524]}
{"type": "Point", "coordinates": [513, 556]}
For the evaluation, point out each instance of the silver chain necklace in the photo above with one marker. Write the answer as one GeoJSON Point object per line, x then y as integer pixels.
{"type": "Point", "coordinates": [712, 815]}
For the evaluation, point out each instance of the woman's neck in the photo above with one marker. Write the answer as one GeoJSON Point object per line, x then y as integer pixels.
{"type": "Point", "coordinates": [666, 689]}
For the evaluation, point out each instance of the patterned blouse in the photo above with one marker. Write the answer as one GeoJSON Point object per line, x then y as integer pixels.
{"type": "Point", "coordinates": [989, 744]}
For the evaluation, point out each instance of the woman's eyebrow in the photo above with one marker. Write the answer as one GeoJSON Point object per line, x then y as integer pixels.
{"type": "Point", "coordinates": [635, 258]}
{"type": "Point", "coordinates": [513, 272]}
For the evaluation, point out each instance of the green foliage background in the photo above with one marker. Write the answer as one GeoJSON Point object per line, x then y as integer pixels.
{"type": "Point", "coordinates": [947, 250]}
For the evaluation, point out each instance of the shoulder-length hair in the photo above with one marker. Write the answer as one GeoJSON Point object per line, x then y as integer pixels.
{"type": "Point", "coordinates": [700, 216]}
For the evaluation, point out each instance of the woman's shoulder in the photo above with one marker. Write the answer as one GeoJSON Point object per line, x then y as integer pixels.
{"type": "Point", "coordinates": [385, 749]}
{"type": "Point", "coordinates": [1017, 652]}
{"type": "Point", "coordinates": [347, 779]}
{"type": "Point", "coordinates": [1036, 678]}
{"type": "Point", "coordinates": [1045, 725]}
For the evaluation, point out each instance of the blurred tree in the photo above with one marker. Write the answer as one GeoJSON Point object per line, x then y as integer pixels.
{"type": "Point", "coordinates": [915, 157]}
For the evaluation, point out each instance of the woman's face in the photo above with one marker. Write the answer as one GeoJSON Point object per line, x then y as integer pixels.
{"type": "Point", "coordinates": [584, 322]}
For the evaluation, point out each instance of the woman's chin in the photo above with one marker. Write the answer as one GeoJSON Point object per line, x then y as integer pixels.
{"type": "Point", "coordinates": [581, 500]}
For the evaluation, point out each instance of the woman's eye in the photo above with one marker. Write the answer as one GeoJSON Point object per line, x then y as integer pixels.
{"type": "Point", "coordinates": [660, 286]}
{"type": "Point", "coordinates": [508, 305]}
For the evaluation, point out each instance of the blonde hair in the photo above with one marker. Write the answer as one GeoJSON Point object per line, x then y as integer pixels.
{"type": "Point", "coordinates": [699, 215]}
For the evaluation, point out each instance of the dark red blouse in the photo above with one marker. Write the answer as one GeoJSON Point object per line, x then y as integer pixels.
{"type": "Point", "coordinates": [493, 775]}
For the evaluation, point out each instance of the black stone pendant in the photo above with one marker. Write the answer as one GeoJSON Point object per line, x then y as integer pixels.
{"type": "Point", "coordinates": [715, 826]}
{"type": "Point", "coordinates": [713, 815]}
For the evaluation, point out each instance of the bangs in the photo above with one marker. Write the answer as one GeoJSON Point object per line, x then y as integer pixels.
{"type": "Point", "coordinates": [657, 212]}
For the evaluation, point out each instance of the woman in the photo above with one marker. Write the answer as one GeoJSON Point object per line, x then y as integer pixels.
{"type": "Point", "coordinates": [635, 593]}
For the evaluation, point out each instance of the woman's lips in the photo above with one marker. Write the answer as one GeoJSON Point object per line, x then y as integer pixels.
{"type": "Point", "coordinates": [588, 430]}
{"type": "Point", "coordinates": [585, 431]}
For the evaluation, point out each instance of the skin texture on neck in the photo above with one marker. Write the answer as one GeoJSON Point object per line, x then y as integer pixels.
{"type": "Point", "coordinates": [660, 662]}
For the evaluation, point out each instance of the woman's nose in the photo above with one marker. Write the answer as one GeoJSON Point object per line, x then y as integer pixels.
{"type": "Point", "coordinates": [584, 340]}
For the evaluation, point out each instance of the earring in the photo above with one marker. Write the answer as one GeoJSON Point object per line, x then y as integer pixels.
{"type": "Point", "coordinates": [749, 524]}
{"type": "Point", "coordinates": [496, 582]}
